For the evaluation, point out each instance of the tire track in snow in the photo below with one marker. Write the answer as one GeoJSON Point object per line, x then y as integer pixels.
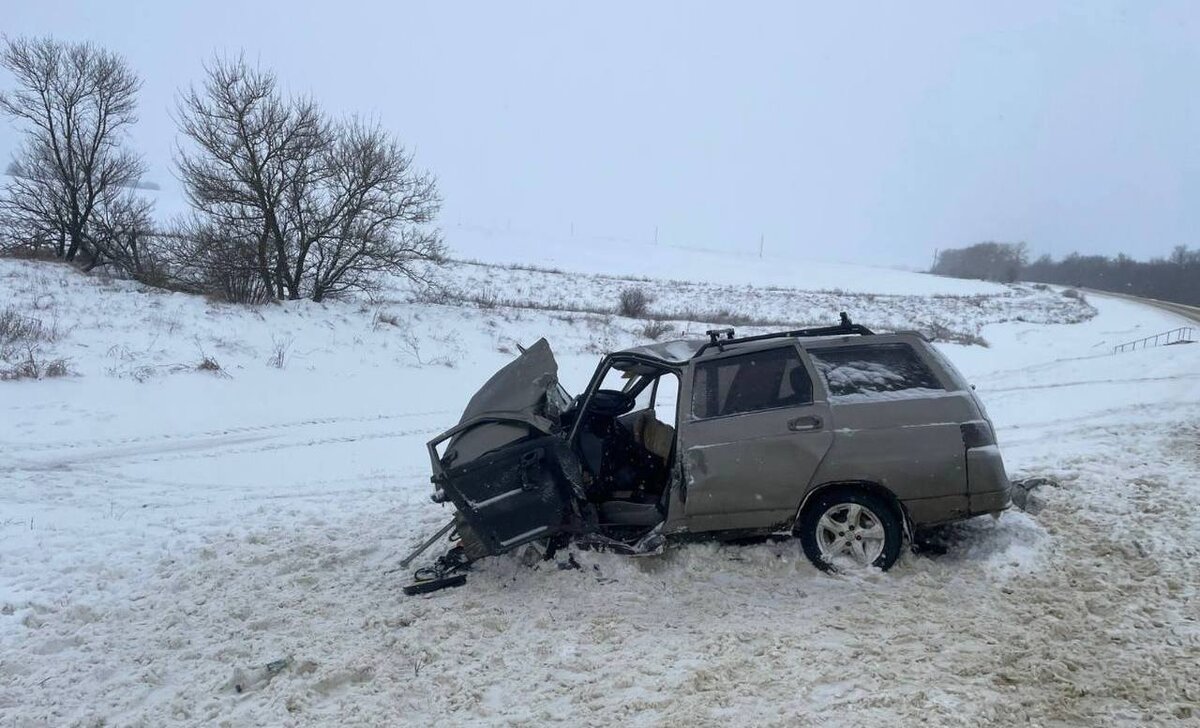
{"type": "Point", "coordinates": [213, 447]}
{"type": "Point", "coordinates": [120, 441]}
{"type": "Point", "coordinates": [1084, 382]}
{"type": "Point", "coordinates": [337, 440]}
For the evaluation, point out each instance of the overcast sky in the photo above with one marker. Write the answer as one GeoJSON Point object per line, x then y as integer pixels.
{"type": "Point", "coordinates": [880, 133]}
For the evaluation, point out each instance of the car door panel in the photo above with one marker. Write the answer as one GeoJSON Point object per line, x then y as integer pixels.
{"type": "Point", "coordinates": [518, 494]}
{"type": "Point", "coordinates": [748, 470]}
{"type": "Point", "coordinates": [751, 465]}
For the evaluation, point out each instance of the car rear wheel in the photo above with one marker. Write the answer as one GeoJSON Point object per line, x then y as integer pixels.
{"type": "Point", "coordinates": [848, 529]}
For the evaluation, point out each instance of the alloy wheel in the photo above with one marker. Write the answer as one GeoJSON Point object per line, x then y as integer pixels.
{"type": "Point", "coordinates": [853, 530]}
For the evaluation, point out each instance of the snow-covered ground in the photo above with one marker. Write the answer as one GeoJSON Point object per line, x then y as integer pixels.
{"type": "Point", "coordinates": [166, 532]}
{"type": "Point", "coordinates": [692, 306]}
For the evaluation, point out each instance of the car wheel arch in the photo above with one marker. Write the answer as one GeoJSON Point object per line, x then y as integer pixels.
{"type": "Point", "coordinates": [861, 485]}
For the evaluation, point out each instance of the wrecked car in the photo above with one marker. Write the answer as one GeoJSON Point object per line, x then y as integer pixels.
{"type": "Point", "coordinates": [846, 439]}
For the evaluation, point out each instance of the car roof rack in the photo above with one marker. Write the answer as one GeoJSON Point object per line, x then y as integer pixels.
{"type": "Point", "coordinates": [714, 335]}
{"type": "Point", "coordinates": [843, 328]}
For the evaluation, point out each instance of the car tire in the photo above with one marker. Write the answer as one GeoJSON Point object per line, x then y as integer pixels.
{"type": "Point", "coordinates": [841, 524]}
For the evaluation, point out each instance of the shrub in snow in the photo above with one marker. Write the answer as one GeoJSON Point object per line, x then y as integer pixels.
{"type": "Point", "coordinates": [279, 352]}
{"type": "Point", "coordinates": [21, 352]}
{"type": "Point", "coordinates": [634, 302]}
{"type": "Point", "coordinates": [31, 365]}
{"type": "Point", "coordinates": [17, 330]}
{"type": "Point", "coordinates": [656, 329]}
{"type": "Point", "coordinates": [208, 364]}
{"type": "Point", "coordinates": [385, 318]}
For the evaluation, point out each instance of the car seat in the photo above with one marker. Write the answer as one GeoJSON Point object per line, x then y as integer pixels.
{"type": "Point", "coordinates": [802, 388]}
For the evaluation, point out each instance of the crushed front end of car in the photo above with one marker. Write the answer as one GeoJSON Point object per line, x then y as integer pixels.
{"type": "Point", "coordinates": [507, 469]}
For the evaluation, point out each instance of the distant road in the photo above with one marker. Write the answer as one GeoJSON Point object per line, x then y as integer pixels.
{"type": "Point", "coordinates": [1189, 312]}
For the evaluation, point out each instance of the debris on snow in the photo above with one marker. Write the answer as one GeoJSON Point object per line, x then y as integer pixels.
{"type": "Point", "coordinates": [246, 679]}
{"type": "Point", "coordinates": [1023, 496]}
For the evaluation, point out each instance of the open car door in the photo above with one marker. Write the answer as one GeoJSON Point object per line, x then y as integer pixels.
{"type": "Point", "coordinates": [506, 468]}
{"type": "Point", "coordinates": [521, 493]}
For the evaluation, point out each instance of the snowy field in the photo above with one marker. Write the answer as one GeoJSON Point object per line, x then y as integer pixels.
{"type": "Point", "coordinates": [167, 531]}
{"type": "Point", "coordinates": [695, 306]}
{"type": "Point", "coordinates": [798, 268]}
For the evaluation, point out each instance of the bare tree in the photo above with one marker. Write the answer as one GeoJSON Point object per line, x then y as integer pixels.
{"type": "Point", "coordinates": [371, 209]}
{"type": "Point", "coordinates": [75, 101]}
{"type": "Point", "coordinates": [322, 207]}
{"type": "Point", "coordinates": [250, 146]}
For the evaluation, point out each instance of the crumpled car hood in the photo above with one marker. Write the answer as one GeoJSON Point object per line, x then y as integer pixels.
{"type": "Point", "coordinates": [521, 386]}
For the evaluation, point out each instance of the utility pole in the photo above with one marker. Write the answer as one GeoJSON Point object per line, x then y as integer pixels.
{"type": "Point", "coordinates": [656, 235]}
{"type": "Point", "coordinates": [760, 244]}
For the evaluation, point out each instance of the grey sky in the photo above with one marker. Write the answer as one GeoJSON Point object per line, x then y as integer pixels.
{"type": "Point", "coordinates": [882, 132]}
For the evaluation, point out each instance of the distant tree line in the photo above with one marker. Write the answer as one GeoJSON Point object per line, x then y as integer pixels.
{"type": "Point", "coordinates": [286, 201]}
{"type": "Point", "coordinates": [1174, 278]}
{"type": "Point", "coordinates": [1001, 262]}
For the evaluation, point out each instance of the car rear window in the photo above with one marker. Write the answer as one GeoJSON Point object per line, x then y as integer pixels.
{"type": "Point", "coordinates": [751, 382]}
{"type": "Point", "coordinates": [874, 371]}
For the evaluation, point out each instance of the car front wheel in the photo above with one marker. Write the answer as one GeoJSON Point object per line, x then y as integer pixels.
{"type": "Point", "coordinates": [846, 529]}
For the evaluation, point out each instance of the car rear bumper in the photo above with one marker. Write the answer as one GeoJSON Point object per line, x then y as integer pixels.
{"type": "Point", "coordinates": [987, 482]}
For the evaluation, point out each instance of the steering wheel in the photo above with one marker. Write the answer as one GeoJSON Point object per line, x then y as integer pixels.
{"type": "Point", "coordinates": [610, 403]}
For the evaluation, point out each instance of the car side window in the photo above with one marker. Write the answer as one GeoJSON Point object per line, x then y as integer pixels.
{"type": "Point", "coordinates": [873, 370]}
{"type": "Point", "coordinates": [751, 382]}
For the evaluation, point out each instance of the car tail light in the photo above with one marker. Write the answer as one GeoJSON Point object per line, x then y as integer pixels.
{"type": "Point", "coordinates": [977, 434]}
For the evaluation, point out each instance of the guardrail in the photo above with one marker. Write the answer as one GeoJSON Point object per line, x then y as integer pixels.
{"type": "Point", "coordinates": [1181, 335]}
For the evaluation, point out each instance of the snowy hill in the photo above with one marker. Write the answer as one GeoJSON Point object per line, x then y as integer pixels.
{"type": "Point", "coordinates": [213, 489]}
{"type": "Point", "coordinates": [805, 267]}
{"type": "Point", "coordinates": [476, 315]}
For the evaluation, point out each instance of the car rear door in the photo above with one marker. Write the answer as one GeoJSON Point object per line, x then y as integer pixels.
{"type": "Point", "coordinates": [752, 436]}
